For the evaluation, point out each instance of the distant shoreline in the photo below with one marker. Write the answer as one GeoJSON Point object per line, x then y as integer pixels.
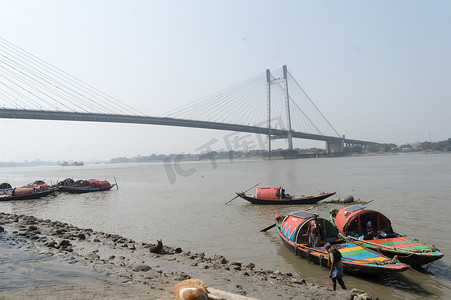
{"type": "Point", "coordinates": [176, 157]}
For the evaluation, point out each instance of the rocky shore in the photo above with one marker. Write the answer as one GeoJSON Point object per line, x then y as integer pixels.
{"type": "Point", "coordinates": [44, 259]}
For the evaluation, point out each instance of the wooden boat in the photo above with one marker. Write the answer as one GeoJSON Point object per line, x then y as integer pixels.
{"type": "Point", "coordinates": [89, 186]}
{"type": "Point", "coordinates": [23, 193]}
{"type": "Point", "coordinates": [292, 230]}
{"type": "Point", "coordinates": [64, 184]}
{"type": "Point", "coordinates": [277, 196]}
{"type": "Point", "coordinates": [66, 164]}
{"type": "Point", "coordinates": [351, 223]}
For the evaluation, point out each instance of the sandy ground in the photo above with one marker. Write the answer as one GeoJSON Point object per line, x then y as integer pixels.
{"type": "Point", "coordinates": [44, 259]}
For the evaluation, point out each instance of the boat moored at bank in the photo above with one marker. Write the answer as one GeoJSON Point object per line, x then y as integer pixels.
{"type": "Point", "coordinates": [89, 186]}
{"type": "Point", "coordinates": [353, 224]}
{"type": "Point", "coordinates": [35, 190]}
{"type": "Point", "coordinates": [292, 229]}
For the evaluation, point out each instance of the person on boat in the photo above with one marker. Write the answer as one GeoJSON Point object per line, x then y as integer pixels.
{"type": "Point", "coordinates": [314, 232]}
{"type": "Point", "coordinates": [336, 266]}
{"type": "Point", "coordinates": [371, 230]}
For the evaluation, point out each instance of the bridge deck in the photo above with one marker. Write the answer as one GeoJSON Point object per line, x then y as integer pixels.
{"type": "Point", "coordinates": [113, 118]}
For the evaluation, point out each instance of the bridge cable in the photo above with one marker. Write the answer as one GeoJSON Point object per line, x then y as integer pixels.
{"type": "Point", "coordinates": [106, 100]}
{"type": "Point", "coordinates": [310, 100]}
{"type": "Point", "coordinates": [19, 76]}
{"type": "Point", "coordinates": [45, 82]}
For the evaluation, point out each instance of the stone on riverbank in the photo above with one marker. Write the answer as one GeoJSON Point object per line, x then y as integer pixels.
{"type": "Point", "coordinates": [132, 266]}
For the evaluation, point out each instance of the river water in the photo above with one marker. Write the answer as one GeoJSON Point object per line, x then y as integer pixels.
{"type": "Point", "coordinates": [184, 204]}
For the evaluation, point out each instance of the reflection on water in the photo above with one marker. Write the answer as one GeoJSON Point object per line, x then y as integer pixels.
{"type": "Point", "coordinates": [438, 268]}
{"type": "Point", "coordinates": [411, 190]}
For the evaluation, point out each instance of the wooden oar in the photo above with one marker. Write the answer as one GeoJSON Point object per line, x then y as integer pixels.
{"type": "Point", "coordinates": [272, 225]}
{"type": "Point", "coordinates": [318, 204]}
{"type": "Point", "coordinates": [267, 228]}
{"type": "Point", "coordinates": [242, 192]}
{"type": "Point", "coordinates": [117, 186]}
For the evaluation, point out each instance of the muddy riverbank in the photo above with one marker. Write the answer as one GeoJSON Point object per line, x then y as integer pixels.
{"type": "Point", "coordinates": [45, 259]}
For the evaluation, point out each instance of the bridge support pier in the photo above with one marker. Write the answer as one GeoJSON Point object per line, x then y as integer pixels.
{"type": "Point", "coordinates": [334, 147]}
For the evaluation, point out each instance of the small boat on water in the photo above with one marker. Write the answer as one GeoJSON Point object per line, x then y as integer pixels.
{"type": "Point", "coordinates": [76, 163]}
{"type": "Point", "coordinates": [89, 186]}
{"type": "Point", "coordinates": [277, 196]}
{"type": "Point", "coordinates": [292, 229]}
{"type": "Point", "coordinates": [351, 223]}
{"type": "Point", "coordinates": [33, 190]}
{"type": "Point", "coordinates": [64, 184]}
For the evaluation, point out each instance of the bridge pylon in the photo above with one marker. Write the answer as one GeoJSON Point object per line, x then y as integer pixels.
{"type": "Point", "coordinates": [284, 81]}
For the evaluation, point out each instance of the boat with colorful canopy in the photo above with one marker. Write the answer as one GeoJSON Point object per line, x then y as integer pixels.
{"type": "Point", "coordinates": [292, 229]}
{"type": "Point", "coordinates": [351, 223]}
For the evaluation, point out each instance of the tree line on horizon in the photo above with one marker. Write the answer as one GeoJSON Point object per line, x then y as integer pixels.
{"type": "Point", "coordinates": [441, 146]}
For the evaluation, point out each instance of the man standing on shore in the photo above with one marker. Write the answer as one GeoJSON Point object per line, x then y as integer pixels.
{"type": "Point", "coordinates": [314, 232]}
{"type": "Point", "coordinates": [336, 266]}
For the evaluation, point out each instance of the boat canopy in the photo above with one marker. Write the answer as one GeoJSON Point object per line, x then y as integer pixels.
{"type": "Point", "coordinates": [39, 185]}
{"type": "Point", "coordinates": [294, 228]}
{"type": "Point", "coordinates": [5, 186]}
{"type": "Point", "coordinates": [99, 184]}
{"type": "Point", "coordinates": [92, 183]}
{"type": "Point", "coordinates": [352, 220]}
{"type": "Point", "coordinates": [271, 193]}
{"type": "Point", "coordinates": [66, 182]}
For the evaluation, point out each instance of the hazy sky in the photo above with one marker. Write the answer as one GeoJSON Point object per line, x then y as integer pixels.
{"type": "Point", "coordinates": [377, 70]}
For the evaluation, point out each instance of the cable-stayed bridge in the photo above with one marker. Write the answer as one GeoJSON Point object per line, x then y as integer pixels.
{"type": "Point", "coordinates": [271, 103]}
